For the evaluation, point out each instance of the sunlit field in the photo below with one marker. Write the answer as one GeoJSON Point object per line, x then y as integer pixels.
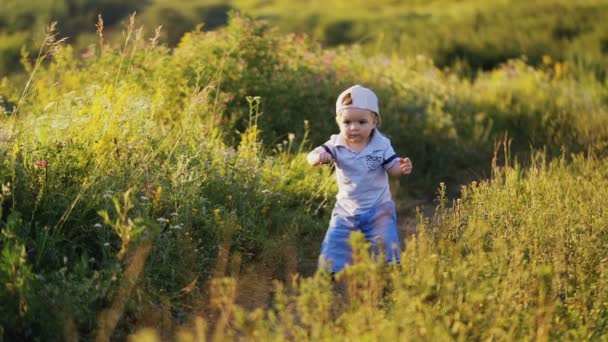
{"type": "Point", "coordinates": [154, 193]}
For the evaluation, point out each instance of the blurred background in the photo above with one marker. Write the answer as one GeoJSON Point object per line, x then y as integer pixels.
{"type": "Point", "coordinates": [465, 35]}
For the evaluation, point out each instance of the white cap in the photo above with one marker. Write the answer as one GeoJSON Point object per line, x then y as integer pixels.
{"type": "Point", "coordinates": [362, 97]}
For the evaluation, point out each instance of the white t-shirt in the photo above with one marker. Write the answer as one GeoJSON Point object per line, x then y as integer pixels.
{"type": "Point", "coordinates": [362, 177]}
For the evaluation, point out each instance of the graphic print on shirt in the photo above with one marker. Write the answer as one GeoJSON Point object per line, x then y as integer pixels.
{"type": "Point", "coordinates": [373, 162]}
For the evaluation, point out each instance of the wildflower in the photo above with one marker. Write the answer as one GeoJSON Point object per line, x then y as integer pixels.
{"type": "Point", "coordinates": [148, 187]}
{"type": "Point", "coordinates": [162, 220]}
{"type": "Point", "coordinates": [97, 225]}
{"type": "Point", "coordinates": [65, 259]}
{"type": "Point", "coordinates": [86, 55]}
{"type": "Point", "coordinates": [4, 136]}
{"type": "Point", "coordinates": [41, 163]}
{"type": "Point", "coordinates": [328, 58]}
{"type": "Point", "coordinates": [6, 190]}
{"type": "Point", "coordinates": [106, 244]}
{"type": "Point", "coordinates": [173, 214]}
{"type": "Point", "coordinates": [144, 198]}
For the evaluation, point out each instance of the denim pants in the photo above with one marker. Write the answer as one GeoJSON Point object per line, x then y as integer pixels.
{"type": "Point", "coordinates": [380, 222]}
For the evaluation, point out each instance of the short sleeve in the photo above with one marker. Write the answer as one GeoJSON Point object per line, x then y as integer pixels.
{"type": "Point", "coordinates": [389, 156]}
{"type": "Point", "coordinates": [328, 147]}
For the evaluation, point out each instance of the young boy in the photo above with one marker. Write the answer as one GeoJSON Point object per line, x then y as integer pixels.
{"type": "Point", "coordinates": [364, 158]}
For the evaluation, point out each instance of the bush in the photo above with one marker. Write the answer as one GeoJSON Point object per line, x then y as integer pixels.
{"type": "Point", "coordinates": [131, 178]}
{"type": "Point", "coordinates": [488, 267]}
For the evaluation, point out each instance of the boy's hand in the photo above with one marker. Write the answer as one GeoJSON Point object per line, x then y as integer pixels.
{"type": "Point", "coordinates": [324, 158]}
{"type": "Point", "coordinates": [405, 164]}
{"type": "Point", "coordinates": [318, 158]}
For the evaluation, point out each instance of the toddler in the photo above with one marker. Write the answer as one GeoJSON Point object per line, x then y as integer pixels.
{"type": "Point", "coordinates": [363, 158]}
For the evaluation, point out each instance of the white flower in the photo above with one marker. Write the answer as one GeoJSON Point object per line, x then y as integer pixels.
{"type": "Point", "coordinates": [6, 191]}
{"type": "Point", "coordinates": [161, 219]}
{"type": "Point", "coordinates": [144, 198]}
{"type": "Point", "coordinates": [106, 244]}
{"type": "Point", "coordinates": [97, 225]}
{"type": "Point", "coordinates": [173, 214]}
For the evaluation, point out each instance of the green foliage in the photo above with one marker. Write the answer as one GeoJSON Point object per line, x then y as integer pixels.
{"type": "Point", "coordinates": [478, 35]}
{"type": "Point", "coordinates": [16, 279]}
{"type": "Point", "coordinates": [133, 176]}
{"type": "Point", "coordinates": [521, 256]}
{"type": "Point", "coordinates": [465, 35]}
{"type": "Point", "coordinates": [106, 153]}
{"type": "Point", "coordinates": [10, 44]}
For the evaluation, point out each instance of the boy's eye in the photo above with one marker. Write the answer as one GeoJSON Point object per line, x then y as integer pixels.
{"type": "Point", "coordinates": [362, 122]}
{"type": "Point", "coordinates": [346, 122]}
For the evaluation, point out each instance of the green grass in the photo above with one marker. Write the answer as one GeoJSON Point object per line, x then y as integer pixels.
{"type": "Point", "coordinates": [463, 35]}
{"type": "Point", "coordinates": [517, 257]}
{"type": "Point", "coordinates": [144, 185]}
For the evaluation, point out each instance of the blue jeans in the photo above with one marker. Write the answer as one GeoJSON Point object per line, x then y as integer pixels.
{"type": "Point", "coordinates": [380, 222]}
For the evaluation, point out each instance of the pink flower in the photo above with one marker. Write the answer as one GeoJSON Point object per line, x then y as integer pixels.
{"type": "Point", "coordinates": [41, 163]}
{"type": "Point", "coordinates": [87, 54]}
{"type": "Point", "coordinates": [4, 136]}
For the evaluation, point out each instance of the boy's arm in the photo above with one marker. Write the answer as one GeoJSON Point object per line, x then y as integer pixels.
{"type": "Point", "coordinates": [319, 156]}
{"type": "Point", "coordinates": [403, 167]}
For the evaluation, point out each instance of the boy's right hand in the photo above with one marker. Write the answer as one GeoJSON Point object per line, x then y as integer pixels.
{"type": "Point", "coordinates": [325, 158]}
{"type": "Point", "coordinates": [319, 158]}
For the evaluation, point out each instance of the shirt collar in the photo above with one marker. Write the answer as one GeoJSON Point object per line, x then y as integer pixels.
{"type": "Point", "coordinates": [373, 142]}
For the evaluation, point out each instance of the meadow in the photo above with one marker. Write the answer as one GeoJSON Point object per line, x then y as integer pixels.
{"type": "Point", "coordinates": [464, 35]}
{"type": "Point", "coordinates": [155, 193]}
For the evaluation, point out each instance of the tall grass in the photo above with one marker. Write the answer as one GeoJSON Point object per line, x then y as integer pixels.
{"type": "Point", "coordinates": [519, 257]}
{"type": "Point", "coordinates": [134, 176]}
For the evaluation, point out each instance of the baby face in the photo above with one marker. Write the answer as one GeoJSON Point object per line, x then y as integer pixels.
{"type": "Point", "coordinates": [356, 125]}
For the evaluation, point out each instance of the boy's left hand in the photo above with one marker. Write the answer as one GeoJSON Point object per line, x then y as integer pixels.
{"type": "Point", "coordinates": [405, 164]}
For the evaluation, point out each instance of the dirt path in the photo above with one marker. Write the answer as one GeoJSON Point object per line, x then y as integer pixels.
{"type": "Point", "coordinates": [406, 215]}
